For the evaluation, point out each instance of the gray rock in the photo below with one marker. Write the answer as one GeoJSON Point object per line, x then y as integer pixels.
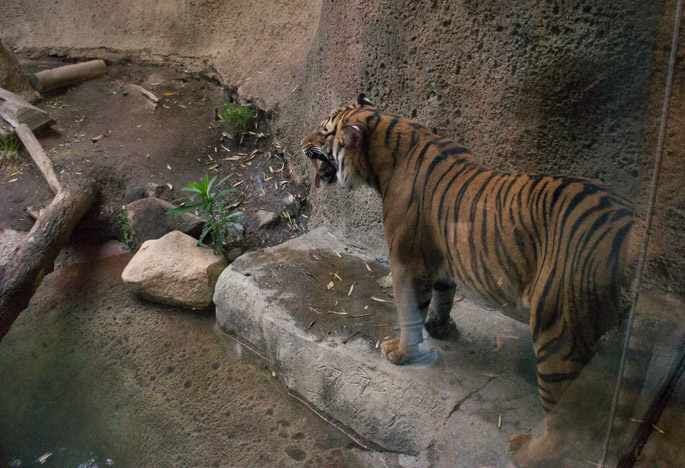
{"type": "Point", "coordinates": [10, 240]}
{"type": "Point", "coordinates": [291, 205]}
{"type": "Point", "coordinates": [266, 219]}
{"type": "Point", "coordinates": [12, 78]}
{"type": "Point", "coordinates": [385, 282]}
{"type": "Point", "coordinates": [152, 189]}
{"type": "Point", "coordinates": [148, 219]}
{"type": "Point", "coordinates": [234, 253]}
{"type": "Point", "coordinates": [175, 270]}
{"type": "Point", "coordinates": [268, 297]}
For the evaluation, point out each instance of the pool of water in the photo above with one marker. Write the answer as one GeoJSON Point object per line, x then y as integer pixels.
{"type": "Point", "coordinates": [94, 376]}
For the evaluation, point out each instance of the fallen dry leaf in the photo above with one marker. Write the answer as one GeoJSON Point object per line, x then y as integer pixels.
{"type": "Point", "coordinates": [330, 285]}
{"type": "Point", "coordinates": [101, 136]}
{"type": "Point", "coordinates": [378, 299]}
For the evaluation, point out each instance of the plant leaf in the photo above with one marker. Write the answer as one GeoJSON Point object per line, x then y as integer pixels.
{"type": "Point", "coordinates": [224, 179]}
{"type": "Point", "coordinates": [235, 214]}
{"type": "Point", "coordinates": [205, 230]}
{"type": "Point", "coordinates": [184, 209]}
{"type": "Point", "coordinates": [191, 189]}
{"type": "Point", "coordinates": [210, 184]}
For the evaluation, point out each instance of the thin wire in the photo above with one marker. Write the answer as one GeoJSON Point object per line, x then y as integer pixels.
{"type": "Point", "coordinates": [637, 281]}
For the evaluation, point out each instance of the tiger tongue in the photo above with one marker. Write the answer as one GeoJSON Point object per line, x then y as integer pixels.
{"type": "Point", "coordinates": [317, 177]}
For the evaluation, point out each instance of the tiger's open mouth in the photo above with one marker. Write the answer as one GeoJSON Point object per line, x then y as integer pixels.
{"type": "Point", "coordinates": [325, 168]}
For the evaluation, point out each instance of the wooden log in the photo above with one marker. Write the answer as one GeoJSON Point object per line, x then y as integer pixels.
{"type": "Point", "coordinates": [15, 110]}
{"type": "Point", "coordinates": [39, 156]}
{"type": "Point", "coordinates": [33, 259]}
{"type": "Point", "coordinates": [68, 75]}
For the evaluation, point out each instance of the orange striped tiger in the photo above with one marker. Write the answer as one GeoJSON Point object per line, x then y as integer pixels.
{"type": "Point", "coordinates": [552, 250]}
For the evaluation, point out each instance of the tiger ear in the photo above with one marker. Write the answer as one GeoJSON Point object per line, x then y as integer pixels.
{"type": "Point", "coordinates": [362, 101]}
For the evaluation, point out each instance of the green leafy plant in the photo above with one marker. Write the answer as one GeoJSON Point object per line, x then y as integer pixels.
{"type": "Point", "coordinates": [221, 217]}
{"type": "Point", "coordinates": [237, 118]}
{"type": "Point", "coordinates": [9, 144]}
{"type": "Point", "coordinates": [125, 233]}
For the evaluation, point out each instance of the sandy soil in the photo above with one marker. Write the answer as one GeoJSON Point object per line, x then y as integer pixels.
{"type": "Point", "coordinates": [111, 133]}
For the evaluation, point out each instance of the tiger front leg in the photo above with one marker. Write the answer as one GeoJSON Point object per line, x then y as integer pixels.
{"type": "Point", "coordinates": [412, 299]}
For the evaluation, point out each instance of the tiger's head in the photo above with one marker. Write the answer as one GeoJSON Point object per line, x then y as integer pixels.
{"type": "Point", "coordinates": [338, 148]}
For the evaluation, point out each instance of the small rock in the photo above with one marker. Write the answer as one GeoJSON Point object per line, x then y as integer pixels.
{"type": "Point", "coordinates": [385, 282]}
{"type": "Point", "coordinates": [152, 190]}
{"type": "Point", "coordinates": [291, 205]}
{"type": "Point", "coordinates": [175, 270]}
{"type": "Point", "coordinates": [234, 253]}
{"type": "Point", "coordinates": [148, 219]}
{"type": "Point", "coordinates": [266, 219]}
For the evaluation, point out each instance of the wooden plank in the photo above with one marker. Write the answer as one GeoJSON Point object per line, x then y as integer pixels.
{"type": "Point", "coordinates": [39, 156]}
{"type": "Point", "coordinates": [16, 110]}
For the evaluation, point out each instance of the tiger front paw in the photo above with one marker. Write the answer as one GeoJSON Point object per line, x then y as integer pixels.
{"type": "Point", "coordinates": [394, 351]}
{"type": "Point", "coordinates": [440, 327]}
{"type": "Point", "coordinates": [400, 354]}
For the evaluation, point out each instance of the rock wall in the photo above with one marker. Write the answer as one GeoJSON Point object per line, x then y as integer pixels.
{"type": "Point", "coordinates": [556, 86]}
{"type": "Point", "coordinates": [11, 76]}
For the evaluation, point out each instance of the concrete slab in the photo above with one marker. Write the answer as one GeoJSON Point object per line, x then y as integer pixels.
{"type": "Point", "coordinates": [324, 342]}
{"type": "Point", "coordinates": [313, 308]}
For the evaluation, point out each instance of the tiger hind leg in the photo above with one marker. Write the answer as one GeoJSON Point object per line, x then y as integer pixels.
{"type": "Point", "coordinates": [560, 358]}
{"type": "Point", "coordinates": [439, 324]}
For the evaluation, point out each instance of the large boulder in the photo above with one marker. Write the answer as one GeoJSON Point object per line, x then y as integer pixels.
{"type": "Point", "coordinates": [148, 219]}
{"type": "Point", "coordinates": [175, 270]}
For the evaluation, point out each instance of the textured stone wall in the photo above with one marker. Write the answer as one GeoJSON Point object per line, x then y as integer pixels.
{"type": "Point", "coordinates": [554, 86]}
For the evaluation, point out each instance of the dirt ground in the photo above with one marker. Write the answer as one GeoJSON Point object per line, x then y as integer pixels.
{"type": "Point", "coordinates": [110, 132]}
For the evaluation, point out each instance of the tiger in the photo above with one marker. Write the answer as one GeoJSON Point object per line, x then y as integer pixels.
{"type": "Point", "coordinates": [552, 250]}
